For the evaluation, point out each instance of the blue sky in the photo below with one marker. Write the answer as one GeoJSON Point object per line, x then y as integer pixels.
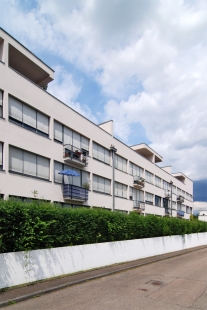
{"type": "Point", "coordinates": [141, 63]}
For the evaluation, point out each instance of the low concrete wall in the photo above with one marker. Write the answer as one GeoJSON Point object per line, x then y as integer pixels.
{"type": "Point", "coordinates": [22, 267]}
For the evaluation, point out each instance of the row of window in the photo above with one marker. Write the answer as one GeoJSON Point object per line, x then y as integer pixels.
{"type": "Point", "coordinates": [25, 162]}
{"type": "Point", "coordinates": [29, 118]}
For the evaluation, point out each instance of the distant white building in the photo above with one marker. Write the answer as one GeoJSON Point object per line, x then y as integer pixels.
{"type": "Point", "coordinates": [41, 136]}
{"type": "Point", "coordinates": [202, 216]}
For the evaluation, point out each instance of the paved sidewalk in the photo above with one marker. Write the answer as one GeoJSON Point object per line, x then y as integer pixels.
{"type": "Point", "coordinates": [25, 292]}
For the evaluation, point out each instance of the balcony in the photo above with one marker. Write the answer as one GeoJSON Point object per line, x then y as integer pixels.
{"type": "Point", "coordinates": [138, 206]}
{"type": "Point", "coordinates": [168, 194]}
{"type": "Point", "coordinates": [75, 193]}
{"type": "Point", "coordinates": [72, 154]}
{"type": "Point", "coordinates": [180, 213]}
{"type": "Point", "coordinates": [180, 199]}
{"type": "Point", "coordinates": [138, 182]}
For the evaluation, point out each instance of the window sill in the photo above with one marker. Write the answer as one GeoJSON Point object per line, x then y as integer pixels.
{"type": "Point", "coordinates": [121, 170]}
{"type": "Point", "coordinates": [157, 186]}
{"type": "Point", "coordinates": [148, 182]}
{"type": "Point", "coordinates": [31, 130]}
{"type": "Point", "coordinates": [120, 197]}
{"type": "Point", "coordinates": [103, 162]}
{"type": "Point", "coordinates": [28, 175]}
{"type": "Point", "coordinates": [98, 192]}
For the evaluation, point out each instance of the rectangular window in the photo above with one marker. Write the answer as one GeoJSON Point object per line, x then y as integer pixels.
{"type": "Point", "coordinates": [101, 184]}
{"type": "Point", "coordinates": [66, 136]}
{"type": "Point", "coordinates": [120, 163]}
{"type": "Point", "coordinates": [27, 117]}
{"type": "Point", "coordinates": [101, 153]}
{"type": "Point", "coordinates": [81, 180]}
{"type": "Point", "coordinates": [29, 163]}
{"type": "Point", "coordinates": [157, 181]}
{"type": "Point", "coordinates": [166, 185]}
{"type": "Point", "coordinates": [136, 194]}
{"type": "Point", "coordinates": [120, 190]}
{"type": "Point", "coordinates": [173, 205]}
{"type": "Point", "coordinates": [174, 189]}
{"type": "Point", "coordinates": [183, 194]}
{"type": "Point", "coordinates": [135, 170]}
{"type": "Point", "coordinates": [149, 177]}
{"type": "Point", "coordinates": [1, 155]}
{"type": "Point", "coordinates": [1, 103]}
{"type": "Point", "coordinates": [179, 192]}
{"type": "Point", "coordinates": [149, 198]}
{"type": "Point", "coordinates": [157, 201]}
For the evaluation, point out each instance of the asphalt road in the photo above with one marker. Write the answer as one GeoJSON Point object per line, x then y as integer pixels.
{"type": "Point", "coordinates": [172, 284]}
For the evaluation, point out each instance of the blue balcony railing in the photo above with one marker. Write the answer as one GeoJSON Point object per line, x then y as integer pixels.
{"type": "Point", "coordinates": [75, 192]}
{"type": "Point", "coordinates": [180, 213]}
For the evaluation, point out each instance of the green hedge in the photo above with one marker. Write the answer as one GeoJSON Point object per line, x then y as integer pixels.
{"type": "Point", "coordinates": [37, 225]}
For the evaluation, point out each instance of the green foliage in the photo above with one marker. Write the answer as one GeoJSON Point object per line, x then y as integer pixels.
{"type": "Point", "coordinates": [37, 225]}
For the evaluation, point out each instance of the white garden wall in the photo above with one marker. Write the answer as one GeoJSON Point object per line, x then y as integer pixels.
{"type": "Point", "coordinates": [23, 267]}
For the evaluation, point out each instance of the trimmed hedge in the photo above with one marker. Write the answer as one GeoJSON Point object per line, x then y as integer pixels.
{"type": "Point", "coordinates": [38, 225]}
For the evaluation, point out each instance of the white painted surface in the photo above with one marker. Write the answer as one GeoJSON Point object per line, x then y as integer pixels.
{"type": "Point", "coordinates": [23, 267]}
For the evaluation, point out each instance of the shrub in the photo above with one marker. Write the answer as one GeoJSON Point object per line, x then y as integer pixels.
{"type": "Point", "coordinates": [36, 225]}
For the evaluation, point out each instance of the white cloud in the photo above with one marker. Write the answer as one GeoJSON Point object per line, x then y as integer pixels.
{"type": "Point", "coordinates": [149, 57]}
{"type": "Point", "coordinates": [65, 89]}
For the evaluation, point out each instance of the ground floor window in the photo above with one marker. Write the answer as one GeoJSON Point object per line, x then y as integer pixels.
{"type": "Point", "coordinates": [157, 201]}
{"type": "Point", "coordinates": [120, 190]}
{"type": "Point", "coordinates": [101, 184]}
{"type": "Point", "coordinates": [82, 180]}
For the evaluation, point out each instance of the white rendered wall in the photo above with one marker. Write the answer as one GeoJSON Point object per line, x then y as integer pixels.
{"type": "Point", "coordinates": [23, 267]}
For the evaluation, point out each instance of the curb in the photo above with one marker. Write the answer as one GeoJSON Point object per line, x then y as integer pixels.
{"type": "Point", "coordinates": [62, 286]}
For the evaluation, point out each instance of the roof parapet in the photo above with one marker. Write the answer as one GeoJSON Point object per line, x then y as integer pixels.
{"type": "Point", "coordinates": [144, 150]}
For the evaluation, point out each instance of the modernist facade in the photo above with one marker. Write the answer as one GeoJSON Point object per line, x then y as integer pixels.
{"type": "Point", "coordinates": [41, 136]}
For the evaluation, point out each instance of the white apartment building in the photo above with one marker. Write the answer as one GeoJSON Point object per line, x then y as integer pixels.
{"type": "Point", "coordinates": [41, 136]}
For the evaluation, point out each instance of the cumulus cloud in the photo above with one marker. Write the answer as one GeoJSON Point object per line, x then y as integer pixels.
{"type": "Point", "coordinates": [65, 89]}
{"type": "Point", "coordinates": [149, 58]}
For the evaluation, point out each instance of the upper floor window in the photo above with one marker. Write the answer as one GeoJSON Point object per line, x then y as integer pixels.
{"type": "Point", "coordinates": [135, 170]}
{"type": "Point", "coordinates": [66, 136]}
{"type": "Point", "coordinates": [1, 155]}
{"type": "Point", "coordinates": [120, 190]}
{"type": "Point", "coordinates": [101, 153]}
{"type": "Point", "coordinates": [24, 162]}
{"type": "Point", "coordinates": [157, 181]}
{"type": "Point", "coordinates": [166, 185]}
{"type": "Point", "coordinates": [1, 103]}
{"type": "Point", "coordinates": [179, 192]}
{"type": "Point", "coordinates": [149, 177]}
{"type": "Point", "coordinates": [120, 163]}
{"type": "Point", "coordinates": [101, 184]}
{"type": "Point", "coordinates": [174, 189]}
{"type": "Point", "coordinates": [27, 117]}
{"type": "Point", "coordinates": [183, 194]}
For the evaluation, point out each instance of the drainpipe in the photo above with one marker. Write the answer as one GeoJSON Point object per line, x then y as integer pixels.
{"type": "Point", "coordinates": [113, 151]}
{"type": "Point", "coordinates": [171, 183]}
